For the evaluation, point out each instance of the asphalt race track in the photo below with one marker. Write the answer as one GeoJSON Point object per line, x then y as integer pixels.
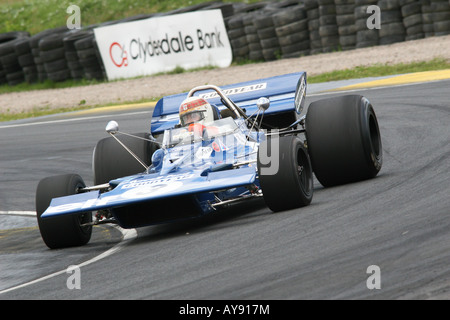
{"type": "Point", "coordinates": [398, 222]}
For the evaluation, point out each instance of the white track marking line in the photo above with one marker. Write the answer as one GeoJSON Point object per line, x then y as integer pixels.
{"type": "Point", "coordinates": [127, 235]}
{"type": "Point", "coordinates": [19, 213]}
{"type": "Point", "coordinates": [335, 91]}
{"type": "Point", "coordinates": [71, 120]}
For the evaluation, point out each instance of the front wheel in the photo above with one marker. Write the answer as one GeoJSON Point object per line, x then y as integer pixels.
{"type": "Point", "coordinates": [288, 182]}
{"type": "Point", "coordinates": [65, 230]}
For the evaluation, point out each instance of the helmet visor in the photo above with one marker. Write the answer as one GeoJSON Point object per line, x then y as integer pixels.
{"type": "Point", "coordinates": [192, 117]}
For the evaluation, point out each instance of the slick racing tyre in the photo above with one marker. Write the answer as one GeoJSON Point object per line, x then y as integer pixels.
{"type": "Point", "coordinates": [65, 230]}
{"type": "Point", "coordinates": [287, 182]}
{"type": "Point", "coordinates": [112, 161]}
{"type": "Point", "coordinates": [343, 140]}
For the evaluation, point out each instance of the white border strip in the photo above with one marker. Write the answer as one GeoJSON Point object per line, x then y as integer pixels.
{"type": "Point", "coordinates": [338, 91]}
{"type": "Point", "coordinates": [19, 213]}
{"type": "Point", "coordinates": [28, 124]}
{"type": "Point", "coordinates": [127, 235]}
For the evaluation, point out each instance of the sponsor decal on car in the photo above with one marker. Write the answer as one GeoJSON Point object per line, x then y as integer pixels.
{"type": "Point", "coordinates": [155, 181]}
{"type": "Point", "coordinates": [238, 90]}
{"type": "Point", "coordinates": [151, 189]}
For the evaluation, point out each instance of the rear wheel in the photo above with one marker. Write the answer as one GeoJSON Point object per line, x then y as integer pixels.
{"type": "Point", "coordinates": [112, 161]}
{"type": "Point", "coordinates": [65, 230]}
{"type": "Point", "coordinates": [344, 140]}
{"type": "Point", "coordinates": [288, 182]}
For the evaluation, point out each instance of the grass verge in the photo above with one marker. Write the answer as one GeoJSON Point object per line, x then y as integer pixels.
{"type": "Point", "coordinates": [358, 72]}
{"type": "Point", "coordinates": [38, 15]}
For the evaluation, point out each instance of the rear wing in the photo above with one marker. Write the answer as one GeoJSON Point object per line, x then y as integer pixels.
{"type": "Point", "coordinates": [286, 93]}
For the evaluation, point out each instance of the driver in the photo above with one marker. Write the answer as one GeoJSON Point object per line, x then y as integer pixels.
{"type": "Point", "coordinates": [194, 113]}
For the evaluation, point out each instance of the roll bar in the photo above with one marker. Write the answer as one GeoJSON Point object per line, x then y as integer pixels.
{"type": "Point", "coordinates": [225, 99]}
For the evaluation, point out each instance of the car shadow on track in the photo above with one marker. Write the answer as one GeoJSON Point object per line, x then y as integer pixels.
{"type": "Point", "coordinates": [247, 212]}
{"type": "Point", "coordinates": [236, 214]}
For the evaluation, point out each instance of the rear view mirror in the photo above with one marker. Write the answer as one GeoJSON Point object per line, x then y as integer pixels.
{"type": "Point", "coordinates": [112, 127]}
{"type": "Point", "coordinates": [263, 103]}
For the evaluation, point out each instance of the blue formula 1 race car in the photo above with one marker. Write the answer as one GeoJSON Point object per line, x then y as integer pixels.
{"type": "Point", "coordinates": [243, 141]}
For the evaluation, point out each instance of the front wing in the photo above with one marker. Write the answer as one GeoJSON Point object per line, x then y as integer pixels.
{"type": "Point", "coordinates": [148, 187]}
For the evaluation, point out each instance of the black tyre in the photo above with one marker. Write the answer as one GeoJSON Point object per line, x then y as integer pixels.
{"type": "Point", "coordinates": [291, 186]}
{"type": "Point", "coordinates": [66, 230]}
{"type": "Point", "coordinates": [112, 161]}
{"type": "Point", "coordinates": [343, 139]}
{"type": "Point", "coordinates": [52, 55]}
{"type": "Point", "coordinates": [52, 41]}
{"type": "Point", "coordinates": [26, 60]}
{"type": "Point", "coordinates": [60, 75]}
{"type": "Point", "coordinates": [56, 65]}
{"type": "Point", "coordinates": [288, 16]}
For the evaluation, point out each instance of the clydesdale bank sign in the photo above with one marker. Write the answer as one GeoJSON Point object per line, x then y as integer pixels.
{"type": "Point", "coordinates": [160, 44]}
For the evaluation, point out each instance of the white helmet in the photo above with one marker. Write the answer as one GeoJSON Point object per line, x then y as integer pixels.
{"type": "Point", "coordinates": [195, 110]}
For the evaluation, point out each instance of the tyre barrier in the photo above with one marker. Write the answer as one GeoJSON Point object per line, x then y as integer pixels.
{"type": "Point", "coordinates": [52, 56]}
{"type": "Point", "coordinates": [328, 29]}
{"type": "Point", "coordinates": [440, 15]}
{"type": "Point", "coordinates": [291, 30]}
{"type": "Point", "coordinates": [25, 58]}
{"type": "Point", "coordinates": [10, 71]}
{"type": "Point", "coordinates": [392, 29]}
{"type": "Point", "coordinates": [412, 19]}
{"type": "Point", "coordinates": [237, 37]}
{"type": "Point", "coordinates": [88, 58]}
{"type": "Point", "coordinates": [346, 23]}
{"type": "Point", "coordinates": [365, 37]}
{"type": "Point", "coordinates": [312, 14]}
{"type": "Point", "coordinates": [71, 55]}
{"type": "Point", "coordinates": [262, 31]}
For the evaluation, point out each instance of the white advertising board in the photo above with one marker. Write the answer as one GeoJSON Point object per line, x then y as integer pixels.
{"type": "Point", "coordinates": [160, 44]}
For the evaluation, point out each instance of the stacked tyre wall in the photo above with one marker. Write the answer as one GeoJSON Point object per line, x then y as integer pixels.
{"type": "Point", "coordinates": [261, 31]}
